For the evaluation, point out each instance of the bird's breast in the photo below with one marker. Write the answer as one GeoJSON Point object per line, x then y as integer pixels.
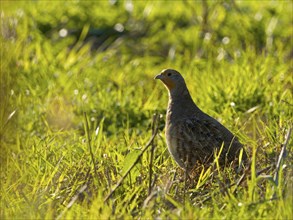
{"type": "Point", "coordinates": [174, 147]}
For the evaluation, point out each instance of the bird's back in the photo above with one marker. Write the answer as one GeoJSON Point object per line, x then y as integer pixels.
{"type": "Point", "coordinates": [194, 137]}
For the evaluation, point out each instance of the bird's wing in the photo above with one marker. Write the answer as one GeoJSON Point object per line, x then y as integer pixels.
{"type": "Point", "coordinates": [202, 137]}
{"type": "Point", "coordinates": [199, 132]}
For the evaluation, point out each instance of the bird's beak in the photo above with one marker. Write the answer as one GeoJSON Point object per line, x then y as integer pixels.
{"type": "Point", "coordinates": [159, 76]}
{"type": "Point", "coordinates": [166, 80]}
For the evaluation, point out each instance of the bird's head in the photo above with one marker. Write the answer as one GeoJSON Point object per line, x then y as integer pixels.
{"type": "Point", "coordinates": [172, 80]}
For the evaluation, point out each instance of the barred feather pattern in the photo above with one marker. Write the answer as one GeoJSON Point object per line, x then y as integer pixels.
{"type": "Point", "coordinates": [194, 141]}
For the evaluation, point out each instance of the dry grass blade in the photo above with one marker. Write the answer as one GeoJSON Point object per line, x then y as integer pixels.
{"type": "Point", "coordinates": [6, 122]}
{"type": "Point", "coordinates": [149, 143]}
{"type": "Point", "coordinates": [73, 200]}
{"type": "Point", "coordinates": [280, 160]}
{"type": "Point", "coordinates": [87, 131]}
{"type": "Point", "coordinates": [282, 156]}
{"type": "Point", "coordinates": [154, 125]}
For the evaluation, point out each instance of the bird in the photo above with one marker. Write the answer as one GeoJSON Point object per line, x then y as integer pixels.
{"type": "Point", "coordinates": [193, 137]}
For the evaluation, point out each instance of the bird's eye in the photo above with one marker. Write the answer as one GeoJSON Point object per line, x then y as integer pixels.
{"type": "Point", "coordinates": [169, 74]}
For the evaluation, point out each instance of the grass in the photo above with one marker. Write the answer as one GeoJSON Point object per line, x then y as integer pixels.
{"type": "Point", "coordinates": [78, 99]}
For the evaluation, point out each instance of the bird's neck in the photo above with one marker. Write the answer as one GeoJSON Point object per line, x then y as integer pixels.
{"type": "Point", "coordinates": [181, 105]}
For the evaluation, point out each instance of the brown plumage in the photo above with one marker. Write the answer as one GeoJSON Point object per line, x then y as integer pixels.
{"type": "Point", "coordinates": [193, 136]}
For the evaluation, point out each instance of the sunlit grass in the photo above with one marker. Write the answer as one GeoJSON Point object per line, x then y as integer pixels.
{"type": "Point", "coordinates": [237, 65]}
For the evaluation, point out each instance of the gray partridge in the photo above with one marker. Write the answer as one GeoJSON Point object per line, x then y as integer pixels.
{"type": "Point", "coordinates": [193, 136]}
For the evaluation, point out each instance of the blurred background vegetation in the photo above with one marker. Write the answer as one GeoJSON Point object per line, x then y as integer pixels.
{"type": "Point", "coordinates": [62, 58]}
